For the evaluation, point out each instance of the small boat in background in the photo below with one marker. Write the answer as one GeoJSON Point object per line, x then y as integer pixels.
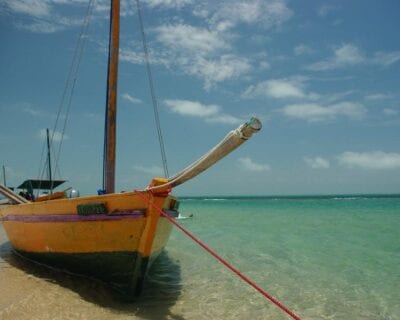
{"type": "Point", "coordinates": [184, 216]}
{"type": "Point", "coordinates": [29, 186]}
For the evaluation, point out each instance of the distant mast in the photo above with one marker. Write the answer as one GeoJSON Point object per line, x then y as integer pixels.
{"type": "Point", "coordinates": [49, 160]}
{"type": "Point", "coordinates": [111, 102]}
{"type": "Point", "coordinates": [4, 176]}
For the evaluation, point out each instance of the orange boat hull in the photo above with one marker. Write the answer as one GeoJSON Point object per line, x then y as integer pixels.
{"type": "Point", "coordinates": [115, 246]}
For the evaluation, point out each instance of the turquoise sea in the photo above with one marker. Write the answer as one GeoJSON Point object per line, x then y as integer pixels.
{"type": "Point", "coordinates": [324, 257]}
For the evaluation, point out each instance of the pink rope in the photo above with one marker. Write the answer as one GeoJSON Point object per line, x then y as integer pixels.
{"type": "Point", "coordinates": [220, 259]}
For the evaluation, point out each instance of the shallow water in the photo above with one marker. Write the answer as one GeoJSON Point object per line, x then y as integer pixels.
{"type": "Point", "coordinates": [323, 257]}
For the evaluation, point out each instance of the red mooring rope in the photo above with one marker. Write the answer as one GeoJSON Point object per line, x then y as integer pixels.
{"type": "Point", "coordinates": [223, 261]}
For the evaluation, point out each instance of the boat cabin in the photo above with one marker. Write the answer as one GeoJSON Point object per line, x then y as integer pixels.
{"type": "Point", "coordinates": [28, 187]}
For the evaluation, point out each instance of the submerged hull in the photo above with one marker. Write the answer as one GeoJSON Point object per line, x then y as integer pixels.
{"type": "Point", "coordinates": [124, 272]}
{"type": "Point", "coordinates": [115, 246]}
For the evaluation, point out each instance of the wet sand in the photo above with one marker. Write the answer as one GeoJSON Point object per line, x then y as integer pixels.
{"type": "Point", "coordinates": [32, 291]}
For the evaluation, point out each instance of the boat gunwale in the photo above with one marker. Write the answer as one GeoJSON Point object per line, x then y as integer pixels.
{"type": "Point", "coordinates": [73, 217]}
{"type": "Point", "coordinates": [112, 201]}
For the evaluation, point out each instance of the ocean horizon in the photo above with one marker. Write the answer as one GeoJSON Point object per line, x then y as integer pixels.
{"type": "Point", "coordinates": [296, 196]}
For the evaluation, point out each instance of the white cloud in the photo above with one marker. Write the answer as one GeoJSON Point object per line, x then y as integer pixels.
{"type": "Point", "coordinates": [246, 11]}
{"type": "Point", "coordinates": [168, 3]}
{"type": "Point", "coordinates": [313, 112]}
{"type": "Point", "coordinates": [370, 160]}
{"type": "Point", "coordinates": [349, 55]}
{"type": "Point", "coordinates": [279, 89]}
{"type": "Point", "coordinates": [390, 112]}
{"type": "Point", "coordinates": [56, 135]}
{"type": "Point", "coordinates": [263, 65]}
{"type": "Point", "coordinates": [131, 55]}
{"type": "Point", "coordinates": [224, 118]}
{"type": "Point", "coordinates": [330, 98]}
{"type": "Point", "coordinates": [42, 16]}
{"type": "Point", "coordinates": [276, 89]}
{"type": "Point", "coordinates": [34, 8]}
{"type": "Point", "coordinates": [202, 53]}
{"type": "Point", "coordinates": [207, 63]}
{"type": "Point", "coordinates": [325, 9]}
{"type": "Point", "coordinates": [131, 99]}
{"type": "Point", "coordinates": [225, 67]}
{"type": "Point", "coordinates": [192, 108]}
{"type": "Point", "coordinates": [134, 54]}
{"type": "Point", "coordinates": [207, 52]}
{"type": "Point", "coordinates": [269, 13]}
{"type": "Point", "coordinates": [378, 96]}
{"type": "Point", "coordinates": [302, 49]}
{"type": "Point", "coordinates": [151, 170]}
{"type": "Point", "coordinates": [50, 25]}
{"type": "Point", "coordinates": [349, 109]}
{"type": "Point", "coordinates": [201, 10]}
{"type": "Point", "coordinates": [250, 165]}
{"type": "Point", "coordinates": [210, 113]}
{"type": "Point", "coordinates": [32, 111]}
{"type": "Point", "coordinates": [386, 58]}
{"type": "Point", "coordinates": [188, 38]}
{"type": "Point", "coordinates": [345, 55]}
{"type": "Point", "coordinates": [317, 163]}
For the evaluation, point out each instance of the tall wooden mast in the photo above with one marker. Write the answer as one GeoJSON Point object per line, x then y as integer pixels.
{"type": "Point", "coordinates": [111, 104]}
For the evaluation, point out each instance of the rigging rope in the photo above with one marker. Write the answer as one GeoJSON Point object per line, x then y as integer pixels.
{"type": "Point", "coordinates": [218, 257]}
{"type": "Point", "coordinates": [69, 87]}
{"type": "Point", "coordinates": [73, 75]}
{"type": "Point", "coordinates": [152, 92]}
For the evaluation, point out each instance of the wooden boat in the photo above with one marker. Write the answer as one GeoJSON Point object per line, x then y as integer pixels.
{"type": "Point", "coordinates": [113, 237]}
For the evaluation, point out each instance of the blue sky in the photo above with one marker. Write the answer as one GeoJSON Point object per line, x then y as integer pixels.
{"type": "Point", "coordinates": [323, 76]}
